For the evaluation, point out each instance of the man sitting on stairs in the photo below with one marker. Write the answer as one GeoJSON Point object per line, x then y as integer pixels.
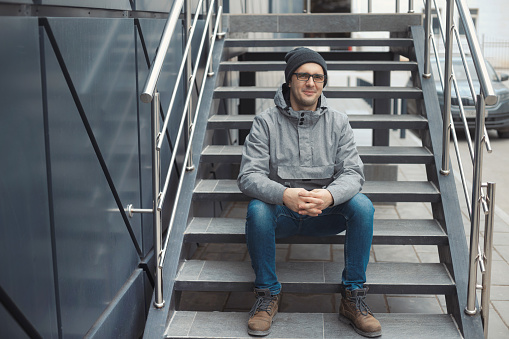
{"type": "Point", "coordinates": [301, 166]}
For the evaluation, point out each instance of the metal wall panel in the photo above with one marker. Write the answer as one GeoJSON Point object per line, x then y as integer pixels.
{"type": "Point", "coordinates": [9, 328]}
{"type": "Point", "coordinates": [126, 319]}
{"type": "Point", "coordinates": [95, 253]}
{"type": "Point", "coordinates": [18, 1]}
{"type": "Point", "coordinates": [25, 238]}
{"type": "Point", "coordinates": [154, 5]}
{"type": "Point", "coordinates": [107, 4]}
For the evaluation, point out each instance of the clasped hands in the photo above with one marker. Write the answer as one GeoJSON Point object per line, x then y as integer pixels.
{"type": "Point", "coordinates": [307, 202]}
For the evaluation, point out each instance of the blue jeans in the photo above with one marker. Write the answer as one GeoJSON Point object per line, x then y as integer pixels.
{"type": "Point", "coordinates": [266, 222]}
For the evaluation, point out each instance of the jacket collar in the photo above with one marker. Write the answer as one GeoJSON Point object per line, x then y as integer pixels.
{"type": "Point", "coordinates": [282, 101]}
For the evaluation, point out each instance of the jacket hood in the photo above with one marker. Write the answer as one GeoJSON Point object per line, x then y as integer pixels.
{"type": "Point", "coordinates": [282, 100]}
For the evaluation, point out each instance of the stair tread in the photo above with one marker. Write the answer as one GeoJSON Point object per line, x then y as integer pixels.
{"type": "Point", "coordinates": [377, 92]}
{"type": "Point", "coordinates": [385, 231]}
{"type": "Point", "coordinates": [368, 154]}
{"type": "Point", "coordinates": [314, 22]}
{"type": "Point", "coordinates": [192, 324]}
{"type": "Point", "coordinates": [379, 121]}
{"type": "Point", "coordinates": [332, 42]}
{"type": "Point", "coordinates": [386, 191]}
{"type": "Point", "coordinates": [319, 277]}
{"type": "Point", "coordinates": [244, 66]}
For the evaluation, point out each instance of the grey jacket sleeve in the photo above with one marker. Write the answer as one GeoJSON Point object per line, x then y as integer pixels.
{"type": "Point", "coordinates": [348, 171]}
{"type": "Point", "coordinates": [254, 178]}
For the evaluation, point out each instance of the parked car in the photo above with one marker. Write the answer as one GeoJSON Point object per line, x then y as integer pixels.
{"type": "Point", "coordinates": [497, 116]}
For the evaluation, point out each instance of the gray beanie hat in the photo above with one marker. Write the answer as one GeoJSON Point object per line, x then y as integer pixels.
{"type": "Point", "coordinates": [300, 56]}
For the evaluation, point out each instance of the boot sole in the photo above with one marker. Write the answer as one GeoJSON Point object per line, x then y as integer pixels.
{"type": "Point", "coordinates": [261, 333]}
{"type": "Point", "coordinates": [347, 321]}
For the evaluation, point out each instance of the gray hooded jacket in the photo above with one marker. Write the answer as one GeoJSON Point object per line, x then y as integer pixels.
{"type": "Point", "coordinates": [300, 149]}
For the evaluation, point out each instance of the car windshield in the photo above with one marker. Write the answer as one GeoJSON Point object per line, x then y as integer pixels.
{"type": "Point", "coordinates": [459, 70]}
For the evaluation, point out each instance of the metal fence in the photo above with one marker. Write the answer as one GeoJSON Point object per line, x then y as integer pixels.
{"type": "Point", "coordinates": [496, 52]}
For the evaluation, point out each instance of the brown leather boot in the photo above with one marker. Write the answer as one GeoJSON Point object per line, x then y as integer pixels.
{"type": "Point", "coordinates": [354, 311]}
{"type": "Point", "coordinates": [262, 314]}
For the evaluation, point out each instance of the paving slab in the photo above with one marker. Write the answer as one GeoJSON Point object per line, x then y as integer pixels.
{"type": "Point", "coordinates": [500, 292]}
{"type": "Point", "coordinates": [310, 252]}
{"type": "Point", "coordinates": [389, 253]}
{"type": "Point", "coordinates": [308, 303]}
{"type": "Point", "coordinates": [497, 327]}
{"type": "Point", "coordinates": [427, 257]}
{"type": "Point", "coordinates": [500, 275]}
{"type": "Point", "coordinates": [414, 304]}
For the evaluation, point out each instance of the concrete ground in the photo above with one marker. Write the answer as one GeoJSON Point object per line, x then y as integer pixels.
{"type": "Point", "coordinates": [235, 301]}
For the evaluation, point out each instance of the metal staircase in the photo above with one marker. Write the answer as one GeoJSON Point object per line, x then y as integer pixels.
{"type": "Point", "coordinates": [200, 220]}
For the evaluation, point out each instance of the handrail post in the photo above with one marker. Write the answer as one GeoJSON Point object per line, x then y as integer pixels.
{"type": "Point", "coordinates": [189, 87]}
{"type": "Point", "coordinates": [370, 6]}
{"type": "Point", "coordinates": [210, 71]}
{"type": "Point", "coordinates": [411, 6]}
{"type": "Point", "coordinates": [476, 207]}
{"type": "Point", "coordinates": [488, 252]}
{"type": "Point", "coordinates": [397, 6]}
{"type": "Point", "coordinates": [446, 136]}
{"type": "Point", "coordinates": [220, 34]}
{"type": "Point", "coordinates": [427, 42]}
{"type": "Point", "coordinates": [308, 7]}
{"type": "Point", "coordinates": [158, 236]}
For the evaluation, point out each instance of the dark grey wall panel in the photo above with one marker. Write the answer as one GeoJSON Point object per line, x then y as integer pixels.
{"type": "Point", "coordinates": [99, 54]}
{"type": "Point", "coordinates": [125, 317]}
{"type": "Point", "coordinates": [18, 1]}
{"type": "Point", "coordinates": [9, 328]}
{"type": "Point", "coordinates": [95, 253]}
{"type": "Point", "coordinates": [25, 238]}
{"type": "Point", "coordinates": [107, 4]}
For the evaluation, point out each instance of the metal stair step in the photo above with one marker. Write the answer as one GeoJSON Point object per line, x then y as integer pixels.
{"type": "Point", "coordinates": [252, 66]}
{"type": "Point", "coordinates": [379, 121]}
{"type": "Point", "coordinates": [385, 231]}
{"type": "Point", "coordinates": [330, 42]}
{"type": "Point", "coordinates": [377, 191]}
{"type": "Point", "coordinates": [315, 277]}
{"type": "Point", "coordinates": [369, 154]}
{"type": "Point", "coordinates": [191, 324]}
{"type": "Point", "coordinates": [314, 22]}
{"type": "Point", "coordinates": [373, 92]}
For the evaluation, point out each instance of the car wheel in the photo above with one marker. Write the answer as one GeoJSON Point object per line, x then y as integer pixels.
{"type": "Point", "coordinates": [503, 134]}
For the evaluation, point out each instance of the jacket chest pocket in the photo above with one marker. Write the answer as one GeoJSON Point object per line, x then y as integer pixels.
{"type": "Point", "coordinates": [317, 175]}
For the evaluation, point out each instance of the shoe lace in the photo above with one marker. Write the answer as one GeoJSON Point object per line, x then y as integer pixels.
{"type": "Point", "coordinates": [262, 304]}
{"type": "Point", "coordinates": [361, 305]}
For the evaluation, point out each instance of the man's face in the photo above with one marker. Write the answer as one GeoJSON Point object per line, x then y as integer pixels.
{"type": "Point", "coordinates": [304, 95]}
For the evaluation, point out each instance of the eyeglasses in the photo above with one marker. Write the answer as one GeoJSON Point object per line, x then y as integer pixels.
{"type": "Point", "coordinates": [316, 77]}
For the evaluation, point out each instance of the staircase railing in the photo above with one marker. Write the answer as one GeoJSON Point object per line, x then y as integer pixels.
{"type": "Point", "coordinates": [188, 113]}
{"type": "Point", "coordinates": [486, 96]}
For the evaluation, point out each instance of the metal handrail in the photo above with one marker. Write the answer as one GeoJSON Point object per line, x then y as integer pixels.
{"type": "Point", "coordinates": [188, 149]}
{"type": "Point", "coordinates": [150, 94]}
{"type": "Point", "coordinates": [485, 97]}
{"type": "Point", "coordinates": [461, 108]}
{"type": "Point", "coordinates": [183, 118]}
{"type": "Point", "coordinates": [177, 81]}
{"type": "Point", "coordinates": [164, 43]}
